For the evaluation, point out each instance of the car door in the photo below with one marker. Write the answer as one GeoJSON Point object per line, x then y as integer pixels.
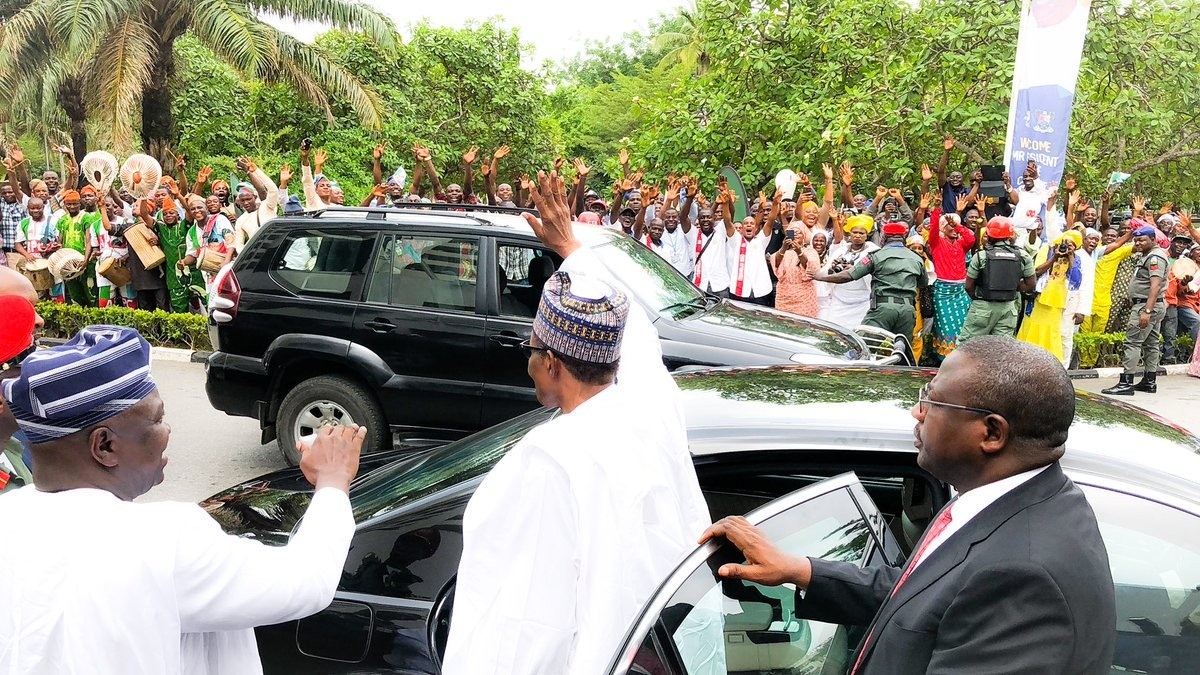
{"type": "Point", "coordinates": [422, 317]}
{"type": "Point", "coordinates": [1154, 553]}
{"type": "Point", "coordinates": [519, 270]}
{"type": "Point", "coordinates": [699, 624]}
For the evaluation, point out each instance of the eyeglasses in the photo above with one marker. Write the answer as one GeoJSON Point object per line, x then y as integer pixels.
{"type": "Point", "coordinates": [923, 403]}
{"type": "Point", "coordinates": [528, 349]}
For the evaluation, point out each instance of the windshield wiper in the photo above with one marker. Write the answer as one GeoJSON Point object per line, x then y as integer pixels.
{"type": "Point", "coordinates": [694, 303]}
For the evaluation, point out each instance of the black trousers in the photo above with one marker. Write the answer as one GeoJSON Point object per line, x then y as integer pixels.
{"type": "Point", "coordinates": [155, 298]}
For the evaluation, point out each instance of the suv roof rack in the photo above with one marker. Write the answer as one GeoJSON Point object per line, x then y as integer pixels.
{"type": "Point", "coordinates": [433, 208]}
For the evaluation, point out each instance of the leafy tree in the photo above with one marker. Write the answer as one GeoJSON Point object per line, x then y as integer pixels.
{"type": "Point", "coordinates": [106, 59]}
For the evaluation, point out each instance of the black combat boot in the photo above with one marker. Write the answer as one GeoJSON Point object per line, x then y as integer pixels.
{"type": "Point", "coordinates": [1148, 384]}
{"type": "Point", "coordinates": [1123, 388]}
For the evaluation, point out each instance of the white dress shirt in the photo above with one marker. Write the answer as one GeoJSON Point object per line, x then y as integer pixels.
{"type": "Point", "coordinates": [972, 502]}
{"type": "Point", "coordinates": [680, 257]}
{"type": "Point", "coordinates": [713, 266]}
{"type": "Point", "coordinates": [93, 584]}
{"type": "Point", "coordinates": [573, 530]}
{"type": "Point", "coordinates": [756, 279]}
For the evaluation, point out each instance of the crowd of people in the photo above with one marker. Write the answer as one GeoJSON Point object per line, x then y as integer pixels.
{"type": "Point", "coordinates": [998, 257]}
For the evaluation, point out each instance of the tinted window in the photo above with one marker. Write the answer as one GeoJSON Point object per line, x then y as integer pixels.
{"type": "Point", "coordinates": [645, 272]}
{"type": "Point", "coordinates": [405, 481]}
{"type": "Point", "coordinates": [522, 273]}
{"type": "Point", "coordinates": [427, 272]}
{"type": "Point", "coordinates": [1154, 552]}
{"type": "Point", "coordinates": [323, 263]}
{"type": "Point", "coordinates": [718, 627]}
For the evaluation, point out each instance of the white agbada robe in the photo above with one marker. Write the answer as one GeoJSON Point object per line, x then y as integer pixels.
{"type": "Point", "coordinates": [93, 584]}
{"type": "Point", "coordinates": [573, 530]}
{"type": "Point", "coordinates": [756, 276]}
{"type": "Point", "coordinates": [848, 303]}
{"type": "Point", "coordinates": [711, 263]}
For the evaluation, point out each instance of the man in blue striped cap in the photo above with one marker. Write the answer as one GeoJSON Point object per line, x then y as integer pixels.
{"type": "Point", "coordinates": [575, 527]}
{"type": "Point", "coordinates": [96, 583]}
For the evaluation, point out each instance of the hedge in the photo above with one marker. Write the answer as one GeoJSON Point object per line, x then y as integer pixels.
{"type": "Point", "coordinates": [162, 329]}
{"type": "Point", "coordinates": [1103, 350]}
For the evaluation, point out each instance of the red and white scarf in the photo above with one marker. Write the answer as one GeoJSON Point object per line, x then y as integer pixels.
{"type": "Point", "coordinates": [741, 272]}
{"type": "Point", "coordinates": [699, 254]}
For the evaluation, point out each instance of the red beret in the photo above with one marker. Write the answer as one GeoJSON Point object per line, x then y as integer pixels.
{"type": "Point", "coordinates": [16, 330]}
{"type": "Point", "coordinates": [894, 228]}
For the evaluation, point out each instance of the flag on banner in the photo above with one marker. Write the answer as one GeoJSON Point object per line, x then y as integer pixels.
{"type": "Point", "coordinates": [1049, 46]}
{"type": "Point", "coordinates": [1117, 178]}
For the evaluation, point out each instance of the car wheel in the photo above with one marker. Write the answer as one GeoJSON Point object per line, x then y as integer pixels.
{"type": "Point", "coordinates": [328, 401]}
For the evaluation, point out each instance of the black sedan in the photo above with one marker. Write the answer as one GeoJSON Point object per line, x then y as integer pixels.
{"type": "Point", "coordinates": [822, 458]}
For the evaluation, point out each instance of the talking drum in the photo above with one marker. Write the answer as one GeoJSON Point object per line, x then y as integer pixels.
{"type": "Point", "coordinates": [114, 270]}
{"type": "Point", "coordinates": [67, 264]}
{"type": "Point", "coordinates": [138, 237]}
{"type": "Point", "coordinates": [211, 259]}
{"type": "Point", "coordinates": [38, 273]}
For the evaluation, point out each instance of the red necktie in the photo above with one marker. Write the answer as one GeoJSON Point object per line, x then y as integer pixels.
{"type": "Point", "coordinates": [939, 525]}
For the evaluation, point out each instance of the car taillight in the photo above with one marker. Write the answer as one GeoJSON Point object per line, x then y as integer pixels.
{"type": "Point", "coordinates": [222, 307]}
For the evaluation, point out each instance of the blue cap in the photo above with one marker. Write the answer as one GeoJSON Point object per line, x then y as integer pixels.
{"type": "Point", "coordinates": [1146, 231]}
{"type": "Point", "coordinates": [292, 206]}
{"type": "Point", "coordinates": [100, 373]}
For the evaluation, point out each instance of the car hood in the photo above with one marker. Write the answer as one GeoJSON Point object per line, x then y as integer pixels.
{"type": "Point", "coordinates": [774, 333]}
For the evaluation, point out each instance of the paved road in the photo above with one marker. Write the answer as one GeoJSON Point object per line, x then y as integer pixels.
{"type": "Point", "coordinates": [211, 451]}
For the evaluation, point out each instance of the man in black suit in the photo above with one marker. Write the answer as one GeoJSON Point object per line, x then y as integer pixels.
{"type": "Point", "coordinates": [1012, 576]}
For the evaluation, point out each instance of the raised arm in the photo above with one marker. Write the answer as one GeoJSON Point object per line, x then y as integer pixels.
{"type": "Point", "coordinates": [261, 182]}
{"type": "Point", "coordinates": [685, 212]}
{"type": "Point", "coordinates": [468, 163]}
{"type": "Point", "coordinates": [72, 181]}
{"type": "Point", "coordinates": [181, 173]}
{"type": "Point", "coordinates": [623, 157]}
{"type": "Point", "coordinates": [22, 176]}
{"type": "Point", "coordinates": [926, 176]}
{"type": "Point", "coordinates": [581, 172]}
{"type": "Point", "coordinates": [944, 162]}
{"type": "Point", "coordinates": [847, 184]}
{"type": "Point", "coordinates": [418, 174]}
{"type": "Point", "coordinates": [312, 201]}
{"type": "Point", "coordinates": [1013, 196]}
{"type": "Point", "coordinates": [826, 207]}
{"type": "Point", "coordinates": [377, 163]}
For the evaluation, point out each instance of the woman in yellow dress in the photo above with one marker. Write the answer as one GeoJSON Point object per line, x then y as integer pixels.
{"type": "Point", "coordinates": [1062, 272]}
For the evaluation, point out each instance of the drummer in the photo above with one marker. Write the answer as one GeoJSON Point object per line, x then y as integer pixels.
{"type": "Point", "coordinates": [37, 238]}
{"type": "Point", "coordinates": [204, 229]}
{"type": "Point", "coordinates": [72, 224]}
{"type": "Point", "coordinates": [109, 246]}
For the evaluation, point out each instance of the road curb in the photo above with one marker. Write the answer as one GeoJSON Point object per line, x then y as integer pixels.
{"type": "Point", "coordinates": [173, 354]}
{"type": "Point", "coordinates": [1098, 373]}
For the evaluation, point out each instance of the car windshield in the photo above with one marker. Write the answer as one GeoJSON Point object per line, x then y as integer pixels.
{"type": "Point", "coordinates": [647, 275]}
{"type": "Point", "coordinates": [412, 478]}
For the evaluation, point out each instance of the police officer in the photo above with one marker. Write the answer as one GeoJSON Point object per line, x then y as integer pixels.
{"type": "Point", "coordinates": [896, 274]}
{"type": "Point", "coordinates": [1146, 291]}
{"type": "Point", "coordinates": [996, 276]}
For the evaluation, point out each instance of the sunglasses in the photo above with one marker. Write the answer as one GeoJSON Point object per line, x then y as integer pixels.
{"type": "Point", "coordinates": [923, 403]}
{"type": "Point", "coordinates": [528, 349]}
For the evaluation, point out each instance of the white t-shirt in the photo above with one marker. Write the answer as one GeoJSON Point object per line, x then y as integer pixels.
{"type": "Point", "coordinates": [1029, 206]}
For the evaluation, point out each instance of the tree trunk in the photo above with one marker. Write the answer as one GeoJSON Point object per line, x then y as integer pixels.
{"type": "Point", "coordinates": [158, 121]}
{"type": "Point", "coordinates": [73, 102]}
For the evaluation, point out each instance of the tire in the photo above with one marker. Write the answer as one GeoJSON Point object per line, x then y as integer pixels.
{"type": "Point", "coordinates": [329, 400]}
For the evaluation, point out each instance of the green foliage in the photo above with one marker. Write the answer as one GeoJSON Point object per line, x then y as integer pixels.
{"type": "Point", "coordinates": [187, 331]}
{"type": "Point", "coordinates": [1099, 350]}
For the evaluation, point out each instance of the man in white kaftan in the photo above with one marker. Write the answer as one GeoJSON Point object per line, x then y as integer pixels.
{"type": "Point", "coordinates": [95, 583]}
{"type": "Point", "coordinates": [570, 533]}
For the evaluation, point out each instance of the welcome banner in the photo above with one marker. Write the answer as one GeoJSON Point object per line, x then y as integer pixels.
{"type": "Point", "coordinates": [1049, 47]}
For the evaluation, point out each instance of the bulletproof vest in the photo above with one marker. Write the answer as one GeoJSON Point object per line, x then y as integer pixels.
{"type": "Point", "coordinates": [1000, 276]}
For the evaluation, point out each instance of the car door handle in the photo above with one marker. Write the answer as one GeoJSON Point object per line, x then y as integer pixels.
{"type": "Point", "coordinates": [506, 340]}
{"type": "Point", "coordinates": [380, 325]}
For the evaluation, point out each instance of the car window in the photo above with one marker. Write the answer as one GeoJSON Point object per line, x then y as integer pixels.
{"type": "Point", "coordinates": [713, 627]}
{"type": "Point", "coordinates": [659, 285]}
{"type": "Point", "coordinates": [323, 263]}
{"type": "Point", "coordinates": [1154, 552]}
{"type": "Point", "coordinates": [427, 272]}
{"type": "Point", "coordinates": [522, 273]}
{"type": "Point", "coordinates": [406, 480]}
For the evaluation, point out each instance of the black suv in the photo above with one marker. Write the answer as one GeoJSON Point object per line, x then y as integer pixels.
{"type": "Point", "coordinates": [408, 320]}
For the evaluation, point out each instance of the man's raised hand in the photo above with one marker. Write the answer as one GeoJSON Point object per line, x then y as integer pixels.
{"type": "Point", "coordinates": [552, 225]}
{"type": "Point", "coordinates": [501, 152]}
{"type": "Point", "coordinates": [469, 156]}
{"type": "Point", "coordinates": [847, 174]}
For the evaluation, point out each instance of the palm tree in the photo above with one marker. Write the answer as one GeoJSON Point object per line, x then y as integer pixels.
{"type": "Point", "coordinates": [102, 60]}
{"type": "Point", "coordinates": [682, 40]}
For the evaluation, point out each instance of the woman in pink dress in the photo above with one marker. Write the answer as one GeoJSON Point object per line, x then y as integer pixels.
{"type": "Point", "coordinates": [794, 265]}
